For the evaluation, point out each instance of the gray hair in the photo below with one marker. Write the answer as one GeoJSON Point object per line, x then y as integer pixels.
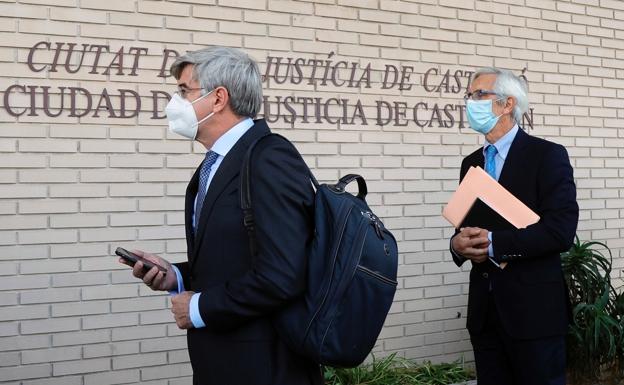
{"type": "Point", "coordinates": [507, 84]}
{"type": "Point", "coordinates": [225, 67]}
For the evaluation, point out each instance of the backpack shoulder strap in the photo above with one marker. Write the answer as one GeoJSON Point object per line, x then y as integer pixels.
{"type": "Point", "coordinates": [245, 190]}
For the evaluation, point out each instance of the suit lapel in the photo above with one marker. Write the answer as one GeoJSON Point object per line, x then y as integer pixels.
{"type": "Point", "coordinates": [480, 159]}
{"type": "Point", "coordinates": [473, 160]}
{"type": "Point", "coordinates": [228, 170]}
{"type": "Point", "coordinates": [189, 202]}
{"type": "Point", "coordinates": [508, 172]}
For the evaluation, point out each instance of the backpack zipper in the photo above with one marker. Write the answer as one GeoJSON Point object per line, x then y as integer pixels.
{"type": "Point", "coordinates": [334, 257]}
{"type": "Point", "coordinates": [362, 235]}
{"type": "Point", "coordinates": [376, 275]}
{"type": "Point", "coordinates": [376, 223]}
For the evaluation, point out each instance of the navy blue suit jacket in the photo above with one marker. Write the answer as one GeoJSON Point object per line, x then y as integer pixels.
{"type": "Point", "coordinates": [240, 293]}
{"type": "Point", "coordinates": [530, 293]}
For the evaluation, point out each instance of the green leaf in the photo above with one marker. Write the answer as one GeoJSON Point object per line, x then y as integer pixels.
{"type": "Point", "coordinates": [394, 370]}
{"type": "Point", "coordinates": [596, 334]}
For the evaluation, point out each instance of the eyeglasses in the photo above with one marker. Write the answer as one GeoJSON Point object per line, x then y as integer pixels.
{"type": "Point", "coordinates": [183, 91]}
{"type": "Point", "coordinates": [478, 94]}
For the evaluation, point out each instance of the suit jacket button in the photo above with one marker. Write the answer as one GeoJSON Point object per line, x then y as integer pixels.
{"type": "Point", "coordinates": [485, 275]}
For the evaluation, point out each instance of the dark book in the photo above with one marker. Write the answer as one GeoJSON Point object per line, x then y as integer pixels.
{"type": "Point", "coordinates": [483, 216]}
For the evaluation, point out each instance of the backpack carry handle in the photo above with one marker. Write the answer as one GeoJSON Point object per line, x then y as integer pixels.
{"type": "Point", "coordinates": [345, 180]}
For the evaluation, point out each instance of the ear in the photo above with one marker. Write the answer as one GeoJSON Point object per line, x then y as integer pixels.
{"type": "Point", "coordinates": [510, 104]}
{"type": "Point", "coordinates": [222, 99]}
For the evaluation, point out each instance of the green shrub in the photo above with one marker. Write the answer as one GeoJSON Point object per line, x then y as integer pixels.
{"type": "Point", "coordinates": [595, 341]}
{"type": "Point", "coordinates": [393, 370]}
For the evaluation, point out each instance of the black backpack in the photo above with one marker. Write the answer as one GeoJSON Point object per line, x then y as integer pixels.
{"type": "Point", "coordinates": [351, 275]}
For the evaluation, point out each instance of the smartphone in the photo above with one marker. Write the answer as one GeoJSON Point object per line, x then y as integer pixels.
{"type": "Point", "coordinates": [132, 258]}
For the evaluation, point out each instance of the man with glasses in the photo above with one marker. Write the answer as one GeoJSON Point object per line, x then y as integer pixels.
{"type": "Point", "coordinates": [518, 309]}
{"type": "Point", "coordinates": [223, 295]}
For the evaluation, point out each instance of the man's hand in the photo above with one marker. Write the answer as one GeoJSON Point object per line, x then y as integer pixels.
{"type": "Point", "coordinates": [154, 278]}
{"type": "Point", "coordinates": [180, 309]}
{"type": "Point", "coordinates": [472, 243]}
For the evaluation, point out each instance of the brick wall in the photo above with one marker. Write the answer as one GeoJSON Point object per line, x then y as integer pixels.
{"type": "Point", "coordinates": [73, 188]}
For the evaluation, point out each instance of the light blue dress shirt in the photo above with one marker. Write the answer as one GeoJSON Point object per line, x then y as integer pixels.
{"type": "Point", "coordinates": [222, 146]}
{"type": "Point", "coordinates": [502, 146]}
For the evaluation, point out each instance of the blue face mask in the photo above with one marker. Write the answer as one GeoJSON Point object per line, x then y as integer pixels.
{"type": "Point", "coordinates": [480, 115]}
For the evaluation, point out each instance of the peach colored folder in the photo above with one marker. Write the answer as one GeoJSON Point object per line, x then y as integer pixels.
{"type": "Point", "coordinates": [478, 184]}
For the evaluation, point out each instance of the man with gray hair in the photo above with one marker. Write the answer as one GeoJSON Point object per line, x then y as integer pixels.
{"type": "Point", "coordinates": [223, 295]}
{"type": "Point", "coordinates": [518, 309]}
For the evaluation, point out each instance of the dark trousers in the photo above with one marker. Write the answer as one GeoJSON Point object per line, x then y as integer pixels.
{"type": "Point", "coordinates": [502, 360]}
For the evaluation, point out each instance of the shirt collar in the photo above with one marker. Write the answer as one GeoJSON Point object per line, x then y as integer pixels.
{"type": "Point", "coordinates": [504, 143]}
{"type": "Point", "coordinates": [224, 144]}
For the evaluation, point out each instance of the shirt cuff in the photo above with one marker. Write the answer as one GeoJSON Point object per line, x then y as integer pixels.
{"type": "Point", "coordinates": [180, 281]}
{"type": "Point", "coordinates": [491, 251]}
{"type": "Point", "coordinates": [196, 319]}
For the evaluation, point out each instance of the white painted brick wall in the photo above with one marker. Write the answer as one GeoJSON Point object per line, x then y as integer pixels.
{"type": "Point", "coordinates": [72, 189]}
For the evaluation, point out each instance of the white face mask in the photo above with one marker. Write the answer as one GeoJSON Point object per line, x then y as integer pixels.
{"type": "Point", "coordinates": [181, 116]}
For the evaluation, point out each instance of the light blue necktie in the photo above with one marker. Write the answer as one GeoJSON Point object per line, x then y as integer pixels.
{"type": "Point", "coordinates": [204, 172]}
{"type": "Point", "coordinates": [490, 162]}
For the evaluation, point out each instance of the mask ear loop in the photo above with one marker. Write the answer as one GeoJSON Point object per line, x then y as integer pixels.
{"type": "Point", "coordinates": [496, 100]}
{"type": "Point", "coordinates": [203, 96]}
{"type": "Point", "coordinates": [207, 116]}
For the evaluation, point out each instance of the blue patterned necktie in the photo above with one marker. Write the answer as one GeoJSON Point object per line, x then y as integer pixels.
{"type": "Point", "coordinates": [204, 172]}
{"type": "Point", "coordinates": [490, 163]}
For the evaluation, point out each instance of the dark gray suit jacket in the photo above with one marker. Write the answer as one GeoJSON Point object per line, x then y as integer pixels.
{"type": "Point", "coordinates": [240, 293]}
{"type": "Point", "coordinates": [530, 293]}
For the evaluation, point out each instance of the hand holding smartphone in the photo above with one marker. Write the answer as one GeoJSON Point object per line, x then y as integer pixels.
{"type": "Point", "coordinates": [132, 258]}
